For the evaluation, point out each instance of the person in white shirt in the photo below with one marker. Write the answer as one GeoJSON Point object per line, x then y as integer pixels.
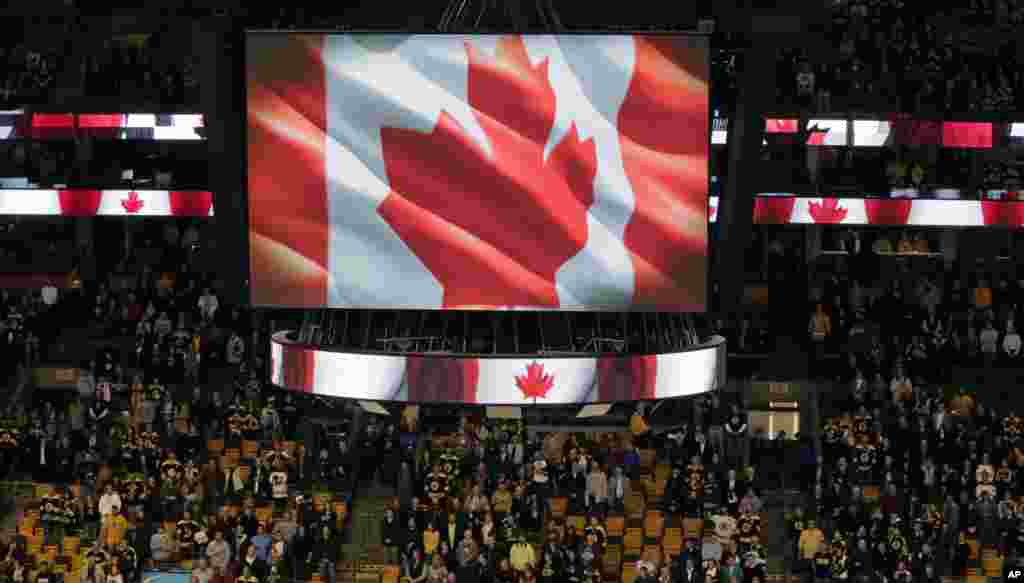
{"type": "Point", "coordinates": [163, 325]}
{"type": "Point", "coordinates": [108, 501]}
{"type": "Point", "coordinates": [235, 349]}
{"type": "Point", "coordinates": [49, 294]}
{"type": "Point", "coordinates": [208, 305]}
{"type": "Point", "coordinates": [86, 381]}
{"type": "Point", "coordinates": [1011, 342]}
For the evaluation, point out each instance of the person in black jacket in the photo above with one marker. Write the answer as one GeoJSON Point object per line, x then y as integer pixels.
{"type": "Point", "coordinates": [325, 550]}
{"type": "Point", "coordinates": [251, 566]}
{"type": "Point", "coordinates": [247, 521]}
{"type": "Point", "coordinates": [391, 530]}
{"type": "Point", "coordinates": [687, 571]}
{"type": "Point", "coordinates": [474, 572]}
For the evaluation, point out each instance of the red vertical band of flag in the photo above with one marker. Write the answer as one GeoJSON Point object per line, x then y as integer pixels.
{"type": "Point", "coordinates": [888, 211]}
{"type": "Point", "coordinates": [102, 125]}
{"type": "Point", "coordinates": [663, 136]}
{"type": "Point", "coordinates": [52, 125]}
{"type": "Point", "coordinates": [956, 134]}
{"type": "Point", "coordinates": [627, 378]}
{"type": "Point", "coordinates": [101, 120]}
{"type": "Point", "coordinates": [773, 210]}
{"type": "Point", "coordinates": [53, 120]}
{"type": "Point", "coordinates": [79, 203]}
{"type": "Point", "coordinates": [299, 368]}
{"type": "Point", "coordinates": [191, 203]}
{"type": "Point", "coordinates": [288, 217]}
{"type": "Point", "coordinates": [470, 379]}
{"type": "Point", "coordinates": [915, 132]}
{"type": "Point", "coordinates": [1002, 213]}
{"type": "Point", "coordinates": [442, 379]}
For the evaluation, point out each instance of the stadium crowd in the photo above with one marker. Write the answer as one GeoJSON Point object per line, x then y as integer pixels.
{"type": "Point", "coordinates": [170, 451]}
{"type": "Point", "coordinates": [916, 476]}
{"type": "Point", "coordinates": [897, 56]}
{"type": "Point", "coordinates": [494, 501]}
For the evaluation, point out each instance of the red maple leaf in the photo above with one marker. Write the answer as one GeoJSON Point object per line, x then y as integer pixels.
{"type": "Point", "coordinates": [493, 224]}
{"type": "Point", "coordinates": [535, 384]}
{"type": "Point", "coordinates": [133, 203]}
{"type": "Point", "coordinates": [827, 212]}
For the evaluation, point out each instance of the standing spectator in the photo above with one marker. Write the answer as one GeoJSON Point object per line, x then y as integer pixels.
{"type": "Point", "coordinates": [1011, 342]}
{"type": "Point", "coordinates": [820, 329]}
{"type": "Point", "coordinates": [219, 553]}
{"type": "Point", "coordinates": [737, 441]}
{"type": "Point", "coordinates": [718, 417]}
{"type": "Point", "coordinates": [597, 488]}
{"type": "Point", "coordinates": [262, 542]}
{"type": "Point", "coordinates": [325, 551]}
{"type": "Point", "coordinates": [208, 305]}
{"type": "Point", "coordinates": [235, 348]}
{"type": "Point", "coordinates": [989, 343]}
{"type": "Point", "coordinates": [161, 546]}
{"type": "Point", "coordinates": [109, 501]}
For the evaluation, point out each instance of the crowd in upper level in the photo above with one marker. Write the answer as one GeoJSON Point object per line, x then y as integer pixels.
{"type": "Point", "coordinates": [876, 54]}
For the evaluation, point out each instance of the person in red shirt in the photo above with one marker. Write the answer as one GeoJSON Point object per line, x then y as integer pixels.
{"type": "Point", "coordinates": [135, 309]}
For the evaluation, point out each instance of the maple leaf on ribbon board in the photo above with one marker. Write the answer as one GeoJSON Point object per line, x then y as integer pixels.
{"type": "Point", "coordinates": [535, 384]}
{"type": "Point", "coordinates": [827, 212]}
{"type": "Point", "coordinates": [133, 203]}
{"type": "Point", "coordinates": [493, 224]}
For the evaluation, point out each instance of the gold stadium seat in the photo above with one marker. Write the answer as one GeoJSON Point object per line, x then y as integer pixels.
{"type": "Point", "coordinates": [615, 525]}
{"type": "Point", "coordinates": [654, 522]}
{"type": "Point", "coordinates": [633, 540]}
{"type": "Point", "coordinates": [559, 506]}
{"type": "Point", "coordinates": [611, 560]}
{"type": "Point", "coordinates": [634, 504]}
{"type": "Point", "coordinates": [628, 573]}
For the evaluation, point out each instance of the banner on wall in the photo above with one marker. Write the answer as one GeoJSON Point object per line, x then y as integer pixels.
{"type": "Point", "coordinates": [18, 124]}
{"type": "Point", "coordinates": [107, 203]}
{"type": "Point", "coordinates": [517, 380]}
{"type": "Point", "coordinates": [792, 210]}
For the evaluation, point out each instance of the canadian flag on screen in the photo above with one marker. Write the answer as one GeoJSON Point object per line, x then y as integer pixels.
{"type": "Point", "coordinates": [478, 171]}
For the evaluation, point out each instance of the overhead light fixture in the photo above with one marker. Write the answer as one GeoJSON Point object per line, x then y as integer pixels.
{"type": "Point", "coordinates": [508, 412]}
{"type": "Point", "coordinates": [598, 410]}
{"type": "Point", "coordinates": [374, 408]}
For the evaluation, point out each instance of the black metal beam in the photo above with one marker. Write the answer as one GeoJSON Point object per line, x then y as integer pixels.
{"type": "Point", "coordinates": [736, 207]}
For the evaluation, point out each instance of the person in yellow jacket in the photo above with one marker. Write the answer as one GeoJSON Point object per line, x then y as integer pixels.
{"type": "Point", "coordinates": [812, 539]}
{"type": "Point", "coordinates": [114, 527]}
{"type": "Point", "coordinates": [431, 539]}
{"type": "Point", "coordinates": [639, 428]}
{"type": "Point", "coordinates": [522, 556]}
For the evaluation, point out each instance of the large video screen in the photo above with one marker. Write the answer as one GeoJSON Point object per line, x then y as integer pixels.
{"type": "Point", "coordinates": [496, 381]}
{"type": "Point", "coordinates": [478, 171]}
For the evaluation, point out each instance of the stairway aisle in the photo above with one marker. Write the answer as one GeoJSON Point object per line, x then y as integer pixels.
{"type": "Point", "coordinates": [368, 504]}
{"type": "Point", "coordinates": [777, 542]}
